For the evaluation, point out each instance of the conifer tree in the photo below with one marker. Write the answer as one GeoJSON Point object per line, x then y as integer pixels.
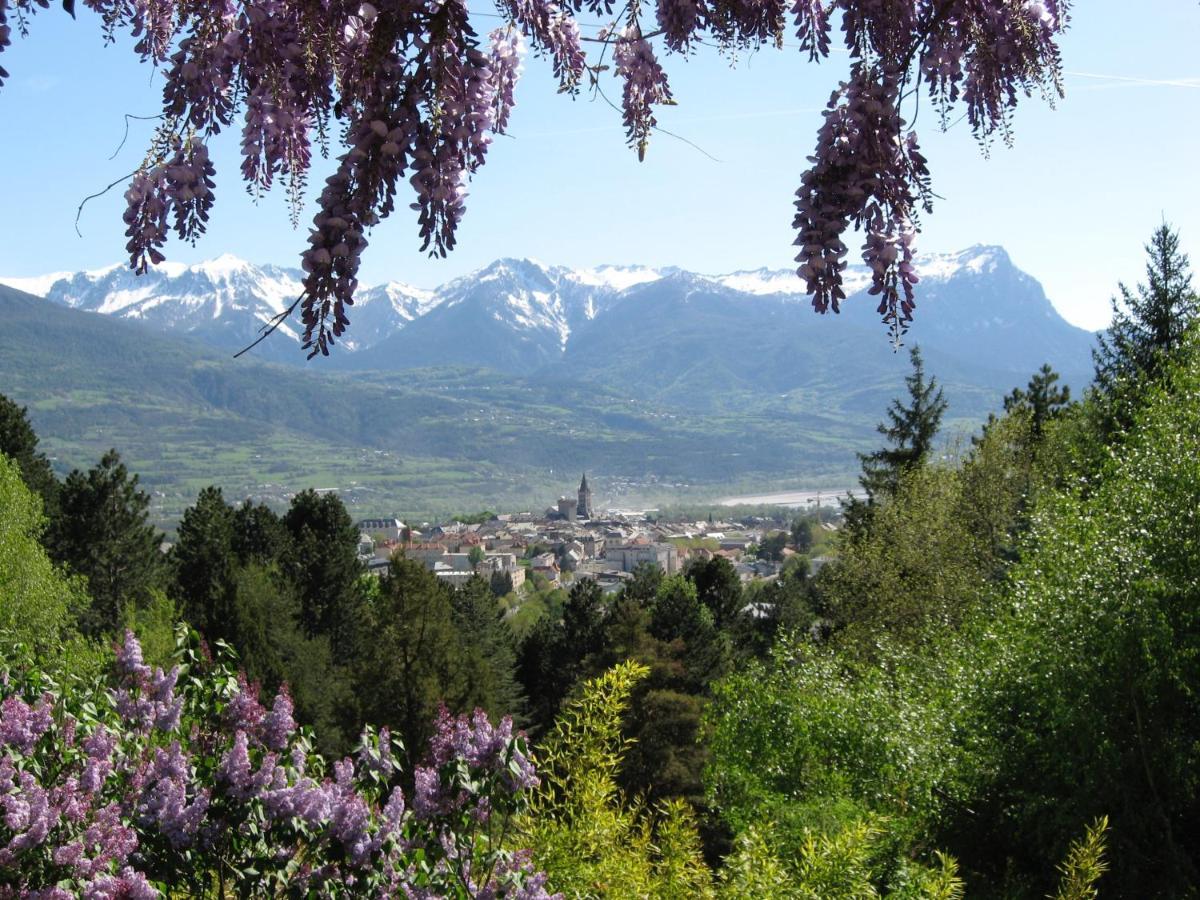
{"type": "Point", "coordinates": [258, 534]}
{"type": "Point", "coordinates": [19, 442]}
{"type": "Point", "coordinates": [322, 562]}
{"type": "Point", "coordinates": [102, 531]}
{"type": "Point", "coordinates": [1041, 398]}
{"type": "Point", "coordinates": [719, 589]}
{"type": "Point", "coordinates": [1148, 326]}
{"type": "Point", "coordinates": [203, 563]}
{"type": "Point", "coordinates": [489, 655]}
{"type": "Point", "coordinates": [910, 431]}
{"type": "Point", "coordinates": [413, 661]}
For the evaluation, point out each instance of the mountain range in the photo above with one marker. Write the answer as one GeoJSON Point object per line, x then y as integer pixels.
{"type": "Point", "coordinates": [478, 392]}
{"type": "Point", "coordinates": [984, 317]}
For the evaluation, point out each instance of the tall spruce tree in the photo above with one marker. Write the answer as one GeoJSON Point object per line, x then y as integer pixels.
{"type": "Point", "coordinates": [1148, 326]}
{"type": "Point", "coordinates": [102, 531]}
{"type": "Point", "coordinates": [910, 430]}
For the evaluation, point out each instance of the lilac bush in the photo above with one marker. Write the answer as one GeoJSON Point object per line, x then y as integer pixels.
{"type": "Point", "coordinates": [184, 781]}
{"type": "Point", "coordinates": [416, 95]}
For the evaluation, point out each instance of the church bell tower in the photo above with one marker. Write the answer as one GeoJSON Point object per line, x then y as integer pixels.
{"type": "Point", "coordinates": [584, 509]}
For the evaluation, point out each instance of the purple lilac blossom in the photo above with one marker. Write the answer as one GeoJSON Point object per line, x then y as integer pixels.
{"type": "Point", "coordinates": [21, 725]}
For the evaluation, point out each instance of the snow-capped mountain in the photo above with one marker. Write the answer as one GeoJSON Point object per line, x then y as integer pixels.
{"type": "Point", "coordinates": [223, 302]}
{"type": "Point", "coordinates": [522, 316]}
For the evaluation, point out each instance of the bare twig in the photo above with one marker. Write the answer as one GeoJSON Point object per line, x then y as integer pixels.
{"type": "Point", "coordinates": [656, 128]}
{"type": "Point", "coordinates": [125, 137]}
{"type": "Point", "coordinates": [100, 193]}
{"type": "Point", "coordinates": [624, 40]}
{"type": "Point", "coordinates": [271, 326]}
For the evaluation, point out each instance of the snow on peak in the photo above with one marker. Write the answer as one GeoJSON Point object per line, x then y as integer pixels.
{"type": "Point", "coordinates": [762, 281]}
{"type": "Point", "coordinates": [619, 278]}
{"type": "Point", "coordinates": [222, 268]}
{"type": "Point", "coordinates": [979, 259]}
{"type": "Point", "coordinates": [785, 282]}
{"type": "Point", "coordinates": [38, 285]}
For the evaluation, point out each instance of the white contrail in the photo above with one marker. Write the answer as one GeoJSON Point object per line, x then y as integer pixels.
{"type": "Point", "coordinates": [1150, 82]}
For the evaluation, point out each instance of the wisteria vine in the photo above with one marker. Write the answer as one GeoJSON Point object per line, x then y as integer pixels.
{"type": "Point", "coordinates": [416, 96]}
{"type": "Point", "coordinates": [184, 780]}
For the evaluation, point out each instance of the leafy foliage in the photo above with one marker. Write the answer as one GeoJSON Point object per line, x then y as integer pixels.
{"type": "Point", "coordinates": [37, 602]}
{"type": "Point", "coordinates": [1104, 606]}
{"type": "Point", "coordinates": [580, 827]}
{"type": "Point", "coordinates": [1084, 864]}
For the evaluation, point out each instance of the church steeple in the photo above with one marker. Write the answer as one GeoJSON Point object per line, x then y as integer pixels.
{"type": "Point", "coordinates": [584, 508]}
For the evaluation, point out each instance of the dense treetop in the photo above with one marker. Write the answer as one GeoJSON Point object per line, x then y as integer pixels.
{"type": "Point", "coordinates": [412, 93]}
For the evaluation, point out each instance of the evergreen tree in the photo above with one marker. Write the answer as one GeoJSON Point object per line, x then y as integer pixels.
{"type": "Point", "coordinates": [273, 650]}
{"type": "Point", "coordinates": [501, 584]}
{"type": "Point", "coordinates": [203, 562]}
{"type": "Point", "coordinates": [322, 562]}
{"type": "Point", "coordinates": [910, 430]}
{"type": "Point", "coordinates": [646, 578]}
{"type": "Point", "coordinates": [103, 533]}
{"type": "Point", "coordinates": [228, 583]}
{"type": "Point", "coordinates": [678, 615]}
{"type": "Point", "coordinates": [771, 547]}
{"type": "Point", "coordinates": [1148, 326]}
{"type": "Point", "coordinates": [556, 654]}
{"type": "Point", "coordinates": [259, 535]}
{"type": "Point", "coordinates": [718, 587]}
{"type": "Point", "coordinates": [19, 442]}
{"type": "Point", "coordinates": [413, 661]}
{"type": "Point", "coordinates": [489, 655]}
{"type": "Point", "coordinates": [1041, 399]}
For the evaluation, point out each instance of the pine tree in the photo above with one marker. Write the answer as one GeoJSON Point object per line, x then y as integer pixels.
{"type": "Point", "coordinates": [802, 537]}
{"type": "Point", "coordinates": [102, 532]}
{"type": "Point", "coordinates": [910, 431]}
{"type": "Point", "coordinates": [719, 589]}
{"type": "Point", "coordinates": [322, 562]}
{"type": "Point", "coordinates": [489, 654]}
{"type": "Point", "coordinates": [258, 535]}
{"type": "Point", "coordinates": [203, 563]}
{"type": "Point", "coordinates": [413, 661]}
{"type": "Point", "coordinates": [19, 442]}
{"type": "Point", "coordinates": [1148, 327]}
{"type": "Point", "coordinates": [1040, 398]}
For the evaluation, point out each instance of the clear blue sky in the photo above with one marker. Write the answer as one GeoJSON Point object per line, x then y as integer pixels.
{"type": "Point", "coordinates": [1073, 201]}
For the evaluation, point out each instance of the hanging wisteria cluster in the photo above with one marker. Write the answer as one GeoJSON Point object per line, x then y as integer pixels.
{"type": "Point", "coordinates": [184, 780]}
{"type": "Point", "coordinates": [416, 95]}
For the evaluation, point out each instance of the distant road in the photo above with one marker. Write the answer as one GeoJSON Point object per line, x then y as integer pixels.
{"type": "Point", "coordinates": [825, 497]}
